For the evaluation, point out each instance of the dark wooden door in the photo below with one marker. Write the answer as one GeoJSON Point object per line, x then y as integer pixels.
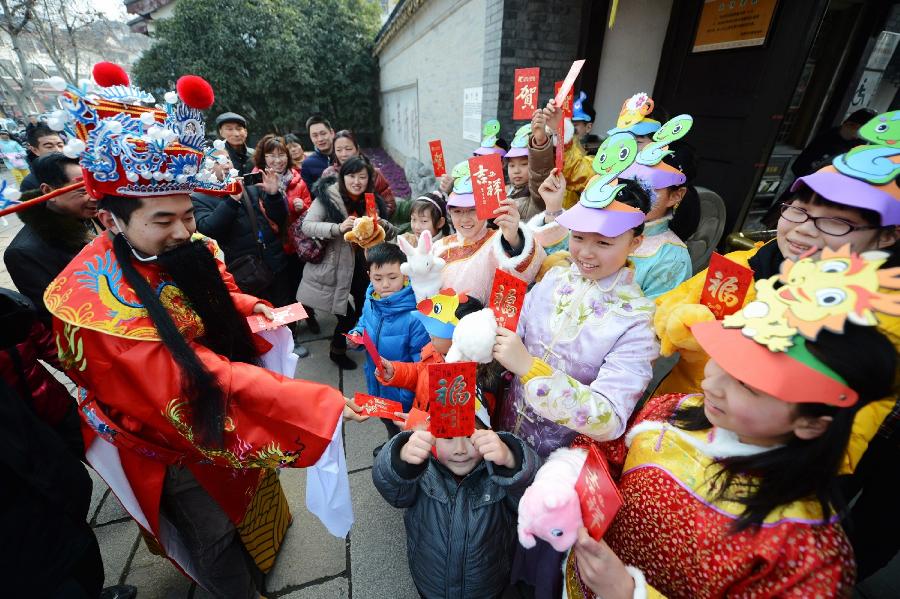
{"type": "Point", "coordinates": [737, 97]}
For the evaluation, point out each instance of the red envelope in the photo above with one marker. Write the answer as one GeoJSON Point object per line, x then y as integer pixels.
{"type": "Point", "coordinates": [560, 154]}
{"type": "Point", "coordinates": [564, 89]}
{"type": "Point", "coordinates": [726, 286]}
{"type": "Point", "coordinates": [354, 338]}
{"type": "Point", "coordinates": [377, 406]}
{"type": "Point", "coordinates": [487, 184]}
{"type": "Point", "coordinates": [451, 394]}
{"type": "Point", "coordinates": [437, 158]}
{"type": "Point", "coordinates": [370, 347]}
{"type": "Point", "coordinates": [371, 207]}
{"type": "Point", "coordinates": [506, 299]}
{"type": "Point", "coordinates": [525, 93]}
{"type": "Point", "coordinates": [600, 498]}
{"type": "Point", "coordinates": [566, 103]}
{"type": "Point", "coordinates": [416, 419]}
{"type": "Point", "coordinates": [282, 316]}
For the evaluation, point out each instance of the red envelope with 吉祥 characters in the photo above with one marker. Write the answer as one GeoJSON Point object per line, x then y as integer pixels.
{"type": "Point", "coordinates": [566, 102]}
{"type": "Point", "coordinates": [437, 158]}
{"type": "Point", "coordinates": [487, 184]}
{"type": "Point", "coordinates": [451, 395]}
{"type": "Point", "coordinates": [370, 347]}
{"type": "Point", "coordinates": [525, 93]}
{"type": "Point", "coordinates": [726, 286]}
{"type": "Point", "coordinates": [371, 207]}
{"type": "Point", "coordinates": [416, 419]}
{"type": "Point", "coordinates": [377, 406]}
{"type": "Point", "coordinates": [507, 296]}
{"type": "Point", "coordinates": [281, 317]}
{"type": "Point", "coordinates": [599, 497]}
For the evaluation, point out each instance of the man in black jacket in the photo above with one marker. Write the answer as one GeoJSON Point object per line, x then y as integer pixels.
{"type": "Point", "coordinates": [42, 140]}
{"type": "Point", "coordinates": [54, 231]}
{"type": "Point", "coordinates": [232, 127]}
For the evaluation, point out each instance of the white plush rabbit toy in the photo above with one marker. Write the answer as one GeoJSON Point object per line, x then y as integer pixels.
{"type": "Point", "coordinates": [422, 267]}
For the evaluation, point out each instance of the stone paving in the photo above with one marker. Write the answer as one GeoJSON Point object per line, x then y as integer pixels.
{"type": "Point", "coordinates": [370, 563]}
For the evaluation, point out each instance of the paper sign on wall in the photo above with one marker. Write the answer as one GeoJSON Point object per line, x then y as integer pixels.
{"type": "Point", "coordinates": [451, 394]}
{"type": "Point", "coordinates": [599, 497]}
{"type": "Point", "coordinates": [726, 286]}
{"type": "Point", "coordinates": [281, 317]}
{"type": "Point", "coordinates": [487, 184]}
{"type": "Point", "coordinates": [507, 297]}
{"type": "Point", "coordinates": [437, 157]}
{"type": "Point", "coordinates": [525, 93]}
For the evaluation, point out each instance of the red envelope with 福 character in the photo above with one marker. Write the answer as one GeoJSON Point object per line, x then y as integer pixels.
{"type": "Point", "coordinates": [280, 317]}
{"type": "Point", "coordinates": [416, 419]}
{"type": "Point", "coordinates": [371, 207]}
{"type": "Point", "coordinates": [726, 286]}
{"type": "Point", "coordinates": [437, 157]}
{"type": "Point", "coordinates": [525, 93]}
{"type": "Point", "coordinates": [487, 184]}
{"type": "Point", "coordinates": [451, 399]}
{"type": "Point", "coordinates": [377, 406]}
{"type": "Point", "coordinates": [566, 104]}
{"type": "Point", "coordinates": [599, 497]}
{"type": "Point", "coordinates": [506, 299]}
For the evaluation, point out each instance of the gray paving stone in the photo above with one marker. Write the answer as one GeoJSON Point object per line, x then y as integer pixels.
{"type": "Point", "coordinates": [156, 577]}
{"type": "Point", "coordinates": [377, 544]}
{"type": "Point", "coordinates": [98, 490]}
{"type": "Point", "coordinates": [359, 440]}
{"type": "Point", "coordinates": [116, 542]}
{"type": "Point", "coordinates": [110, 510]}
{"type": "Point", "coordinates": [309, 551]}
{"type": "Point", "coordinates": [337, 588]}
{"type": "Point", "coordinates": [317, 367]}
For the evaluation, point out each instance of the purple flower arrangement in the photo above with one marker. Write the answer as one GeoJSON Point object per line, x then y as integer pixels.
{"type": "Point", "coordinates": [391, 171]}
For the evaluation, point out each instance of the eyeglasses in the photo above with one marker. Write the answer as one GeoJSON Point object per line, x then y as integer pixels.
{"type": "Point", "coordinates": [276, 156]}
{"type": "Point", "coordinates": [837, 227]}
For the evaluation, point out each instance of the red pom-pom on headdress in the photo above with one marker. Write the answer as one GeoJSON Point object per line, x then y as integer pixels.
{"type": "Point", "coordinates": [195, 91]}
{"type": "Point", "coordinates": [107, 74]}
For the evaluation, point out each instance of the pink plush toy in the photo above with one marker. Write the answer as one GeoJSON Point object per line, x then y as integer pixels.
{"type": "Point", "coordinates": [549, 508]}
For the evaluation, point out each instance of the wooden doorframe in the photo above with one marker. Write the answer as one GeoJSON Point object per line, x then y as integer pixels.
{"type": "Point", "coordinates": [590, 43]}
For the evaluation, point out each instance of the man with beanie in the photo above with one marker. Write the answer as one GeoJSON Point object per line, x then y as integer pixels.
{"type": "Point", "coordinates": [232, 127]}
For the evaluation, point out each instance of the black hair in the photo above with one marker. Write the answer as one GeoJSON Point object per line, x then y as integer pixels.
{"type": "Point", "coordinates": [290, 138]}
{"type": "Point", "coordinates": [38, 131]}
{"type": "Point", "coordinates": [317, 119]}
{"type": "Point", "coordinates": [384, 253]}
{"type": "Point", "coordinates": [866, 359]}
{"type": "Point", "coordinates": [861, 116]}
{"type": "Point", "coordinates": [51, 169]}
{"type": "Point", "coordinates": [198, 384]}
{"type": "Point", "coordinates": [502, 143]}
{"type": "Point", "coordinates": [122, 207]}
{"type": "Point", "coordinates": [807, 195]}
{"type": "Point", "coordinates": [634, 195]}
{"type": "Point", "coordinates": [470, 306]}
{"type": "Point", "coordinates": [435, 205]}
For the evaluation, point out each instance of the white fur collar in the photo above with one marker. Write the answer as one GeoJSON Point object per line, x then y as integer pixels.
{"type": "Point", "coordinates": [537, 223]}
{"type": "Point", "coordinates": [508, 263]}
{"type": "Point", "coordinates": [717, 443]}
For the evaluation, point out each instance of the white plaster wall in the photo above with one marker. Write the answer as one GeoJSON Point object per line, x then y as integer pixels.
{"type": "Point", "coordinates": [424, 70]}
{"type": "Point", "coordinates": [630, 59]}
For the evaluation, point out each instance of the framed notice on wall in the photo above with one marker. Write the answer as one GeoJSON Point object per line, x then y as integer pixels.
{"type": "Point", "coordinates": [472, 113]}
{"type": "Point", "coordinates": [726, 24]}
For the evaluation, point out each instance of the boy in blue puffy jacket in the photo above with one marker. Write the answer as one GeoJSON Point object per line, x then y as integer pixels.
{"type": "Point", "coordinates": [387, 317]}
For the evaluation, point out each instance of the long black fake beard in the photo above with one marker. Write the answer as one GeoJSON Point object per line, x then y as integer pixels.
{"type": "Point", "coordinates": [194, 270]}
{"type": "Point", "coordinates": [198, 384]}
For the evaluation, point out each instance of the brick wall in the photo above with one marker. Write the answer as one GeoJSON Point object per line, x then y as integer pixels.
{"type": "Point", "coordinates": [526, 34]}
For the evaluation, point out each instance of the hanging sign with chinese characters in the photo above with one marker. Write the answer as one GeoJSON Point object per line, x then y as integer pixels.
{"type": "Point", "coordinates": [525, 93]}
{"type": "Point", "coordinates": [726, 286]}
{"type": "Point", "coordinates": [507, 296]}
{"type": "Point", "coordinates": [487, 184]}
{"type": "Point", "coordinates": [597, 493]}
{"type": "Point", "coordinates": [451, 395]}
